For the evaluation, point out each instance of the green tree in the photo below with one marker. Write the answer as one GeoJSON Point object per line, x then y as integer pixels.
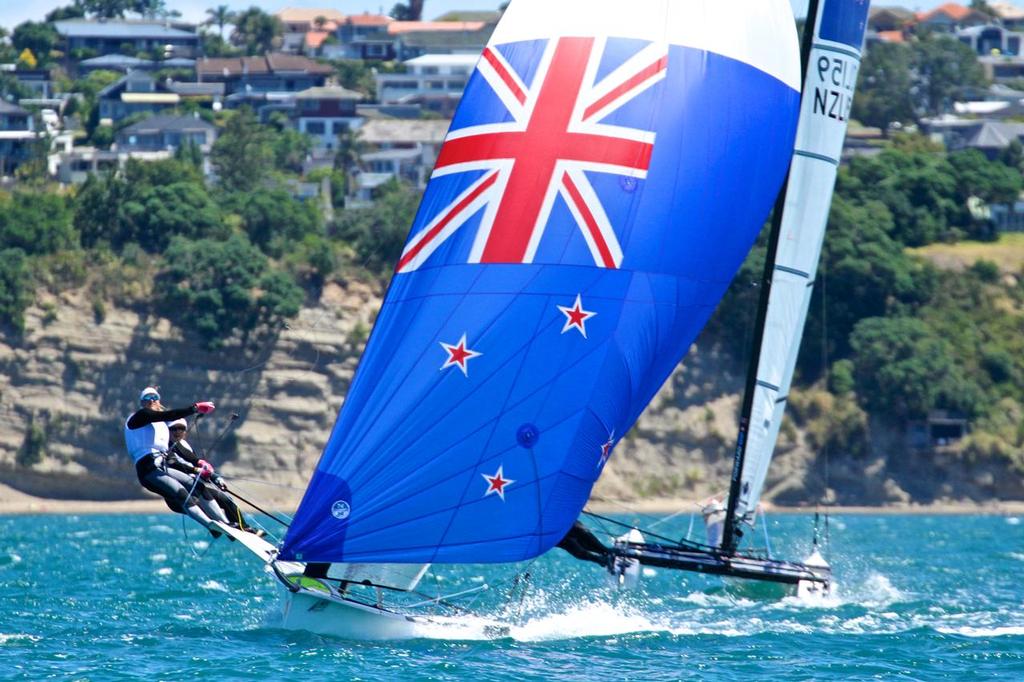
{"type": "Point", "coordinates": [918, 187]}
{"type": "Point", "coordinates": [158, 213]}
{"type": "Point", "coordinates": [408, 11]}
{"type": "Point", "coordinates": [866, 275]}
{"type": "Point", "coordinates": [243, 155]}
{"type": "Point", "coordinates": [224, 288]}
{"type": "Point", "coordinates": [942, 66]}
{"type": "Point", "coordinates": [73, 11]}
{"type": "Point", "coordinates": [219, 16]}
{"type": "Point", "coordinates": [256, 31]}
{"type": "Point", "coordinates": [378, 234]}
{"type": "Point", "coordinates": [274, 220]}
{"type": "Point", "coordinates": [903, 369]}
{"type": "Point", "coordinates": [884, 87]}
{"type": "Point", "coordinates": [38, 37]}
{"type": "Point", "coordinates": [36, 223]}
{"type": "Point", "coordinates": [15, 290]}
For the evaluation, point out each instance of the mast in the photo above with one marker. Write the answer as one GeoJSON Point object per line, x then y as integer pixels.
{"type": "Point", "coordinates": [730, 531]}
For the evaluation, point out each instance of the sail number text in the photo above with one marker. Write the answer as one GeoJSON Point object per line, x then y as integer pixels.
{"type": "Point", "coordinates": [833, 93]}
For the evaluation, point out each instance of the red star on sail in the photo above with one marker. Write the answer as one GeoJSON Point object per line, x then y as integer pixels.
{"type": "Point", "coordinates": [458, 355]}
{"type": "Point", "coordinates": [576, 317]}
{"type": "Point", "coordinates": [606, 449]}
{"type": "Point", "coordinates": [497, 483]}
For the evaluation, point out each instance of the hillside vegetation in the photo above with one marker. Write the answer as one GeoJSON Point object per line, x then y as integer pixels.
{"type": "Point", "coordinates": [894, 332]}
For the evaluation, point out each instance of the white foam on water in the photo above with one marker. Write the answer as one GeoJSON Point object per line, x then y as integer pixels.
{"type": "Point", "coordinates": [213, 585]}
{"type": "Point", "coordinates": [968, 631]}
{"type": "Point", "coordinates": [165, 571]}
{"type": "Point", "coordinates": [1013, 520]}
{"type": "Point", "coordinates": [590, 619]}
{"type": "Point", "coordinates": [877, 590]}
{"type": "Point", "coordinates": [156, 558]}
{"type": "Point", "coordinates": [1017, 555]}
{"type": "Point", "coordinates": [649, 572]}
{"type": "Point", "coordinates": [161, 528]}
{"type": "Point", "coordinates": [18, 637]}
{"type": "Point", "coordinates": [200, 544]}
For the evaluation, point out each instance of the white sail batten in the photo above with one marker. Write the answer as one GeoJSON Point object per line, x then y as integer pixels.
{"type": "Point", "coordinates": [827, 97]}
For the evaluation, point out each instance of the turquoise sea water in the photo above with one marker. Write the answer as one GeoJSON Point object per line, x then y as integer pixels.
{"type": "Point", "coordinates": [128, 597]}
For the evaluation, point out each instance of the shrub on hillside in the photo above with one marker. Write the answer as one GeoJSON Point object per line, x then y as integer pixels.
{"type": "Point", "coordinates": [220, 289]}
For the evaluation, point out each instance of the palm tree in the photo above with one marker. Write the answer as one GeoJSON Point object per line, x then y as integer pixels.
{"type": "Point", "coordinates": [320, 22]}
{"type": "Point", "coordinates": [219, 16]}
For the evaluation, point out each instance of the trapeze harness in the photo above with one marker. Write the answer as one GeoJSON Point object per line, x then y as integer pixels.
{"type": "Point", "coordinates": [147, 437]}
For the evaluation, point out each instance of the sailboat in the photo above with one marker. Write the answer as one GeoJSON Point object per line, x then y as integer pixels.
{"type": "Point", "coordinates": [607, 171]}
{"type": "Point", "coordinates": [831, 54]}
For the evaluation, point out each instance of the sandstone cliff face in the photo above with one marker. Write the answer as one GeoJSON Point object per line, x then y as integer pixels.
{"type": "Point", "coordinates": [68, 384]}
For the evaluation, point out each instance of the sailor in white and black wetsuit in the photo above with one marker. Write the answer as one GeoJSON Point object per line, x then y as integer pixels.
{"type": "Point", "coordinates": [182, 457]}
{"type": "Point", "coordinates": [147, 439]}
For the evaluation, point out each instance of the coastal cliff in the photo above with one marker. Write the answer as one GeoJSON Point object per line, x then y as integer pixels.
{"type": "Point", "coordinates": [68, 382]}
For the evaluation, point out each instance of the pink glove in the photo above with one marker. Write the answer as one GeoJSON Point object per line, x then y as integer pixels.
{"type": "Point", "coordinates": [205, 407]}
{"type": "Point", "coordinates": [205, 469]}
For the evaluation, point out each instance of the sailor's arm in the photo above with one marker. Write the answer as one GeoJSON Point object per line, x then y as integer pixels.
{"type": "Point", "coordinates": [145, 416]}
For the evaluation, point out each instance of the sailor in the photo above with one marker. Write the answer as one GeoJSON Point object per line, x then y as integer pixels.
{"type": "Point", "coordinates": [584, 545]}
{"type": "Point", "coordinates": [182, 457]}
{"type": "Point", "coordinates": [147, 439]}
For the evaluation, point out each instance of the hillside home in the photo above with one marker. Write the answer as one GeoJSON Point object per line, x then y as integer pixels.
{"type": "Point", "coordinates": [118, 36]}
{"type": "Point", "coordinates": [405, 149]}
{"type": "Point", "coordinates": [435, 82]}
{"type": "Point", "coordinates": [136, 93]}
{"type": "Point", "coordinates": [324, 113]}
{"type": "Point", "coordinates": [363, 36]}
{"type": "Point", "coordinates": [17, 132]}
{"type": "Point", "coordinates": [951, 17]}
{"type": "Point", "coordinates": [166, 133]}
{"type": "Point", "coordinates": [274, 72]}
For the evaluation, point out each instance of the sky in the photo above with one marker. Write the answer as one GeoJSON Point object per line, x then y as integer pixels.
{"type": "Point", "coordinates": [13, 12]}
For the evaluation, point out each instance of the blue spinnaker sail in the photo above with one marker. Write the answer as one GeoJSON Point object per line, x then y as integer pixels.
{"type": "Point", "coordinates": [602, 180]}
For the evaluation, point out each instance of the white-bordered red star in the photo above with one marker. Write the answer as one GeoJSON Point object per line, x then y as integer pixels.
{"type": "Point", "coordinates": [497, 483]}
{"type": "Point", "coordinates": [458, 355]}
{"type": "Point", "coordinates": [606, 449]}
{"type": "Point", "coordinates": [576, 317]}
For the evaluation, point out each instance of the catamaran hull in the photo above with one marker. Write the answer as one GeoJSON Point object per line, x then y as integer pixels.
{"type": "Point", "coordinates": [342, 618]}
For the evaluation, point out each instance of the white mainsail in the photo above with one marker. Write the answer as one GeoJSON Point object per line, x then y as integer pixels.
{"type": "Point", "coordinates": [827, 97]}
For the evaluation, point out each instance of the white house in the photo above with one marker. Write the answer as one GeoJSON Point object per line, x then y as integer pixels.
{"type": "Point", "coordinates": [435, 81]}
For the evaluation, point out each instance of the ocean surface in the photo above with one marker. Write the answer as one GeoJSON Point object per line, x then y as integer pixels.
{"type": "Point", "coordinates": [125, 597]}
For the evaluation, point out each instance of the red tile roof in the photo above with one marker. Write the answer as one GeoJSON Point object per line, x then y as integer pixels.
{"type": "Point", "coordinates": [367, 19]}
{"type": "Point", "coordinates": [891, 36]}
{"type": "Point", "coordinates": [270, 63]}
{"type": "Point", "coordinates": [951, 9]}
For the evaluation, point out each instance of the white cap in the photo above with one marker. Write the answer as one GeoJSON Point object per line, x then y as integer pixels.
{"type": "Point", "coordinates": [178, 422]}
{"type": "Point", "coordinates": [148, 391]}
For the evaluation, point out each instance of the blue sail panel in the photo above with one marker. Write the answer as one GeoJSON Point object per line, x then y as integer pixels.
{"type": "Point", "coordinates": [573, 241]}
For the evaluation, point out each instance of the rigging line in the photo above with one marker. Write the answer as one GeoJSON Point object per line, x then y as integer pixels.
{"type": "Point", "coordinates": [689, 544]}
{"type": "Point", "coordinates": [268, 483]}
{"type": "Point", "coordinates": [258, 508]}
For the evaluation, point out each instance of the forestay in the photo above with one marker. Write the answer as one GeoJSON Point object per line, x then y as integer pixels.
{"type": "Point", "coordinates": [828, 95]}
{"type": "Point", "coordinates": [605, 174]}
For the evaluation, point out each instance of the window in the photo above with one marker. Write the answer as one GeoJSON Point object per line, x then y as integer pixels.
{"type": "Point", "coordinates": [315, 127]}
{"type": "Point", "coordinates": [435, 85]}
{"type": "Point", "coordinates": [429, 70]}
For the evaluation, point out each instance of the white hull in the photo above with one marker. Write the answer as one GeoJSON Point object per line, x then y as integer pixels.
{"type": "Point", "coordinates": [341, 618]}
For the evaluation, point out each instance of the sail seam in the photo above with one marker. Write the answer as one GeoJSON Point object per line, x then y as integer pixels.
{"type": "Point", "coordinates": [792, 271]}
{"type": "Point", "coordinates": [765, 384]}
{"type": "Point", "coordinates": [829, 48]}
{"type": "Point", "coordinates": [818, 157]}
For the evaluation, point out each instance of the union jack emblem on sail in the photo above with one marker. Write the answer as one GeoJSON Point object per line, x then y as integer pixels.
{"type": "Point", "coordinates": [553, 134]}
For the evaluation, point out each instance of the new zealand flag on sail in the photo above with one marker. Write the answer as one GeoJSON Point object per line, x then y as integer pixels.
{"type": "Point", "coordinates": [591, 202]}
